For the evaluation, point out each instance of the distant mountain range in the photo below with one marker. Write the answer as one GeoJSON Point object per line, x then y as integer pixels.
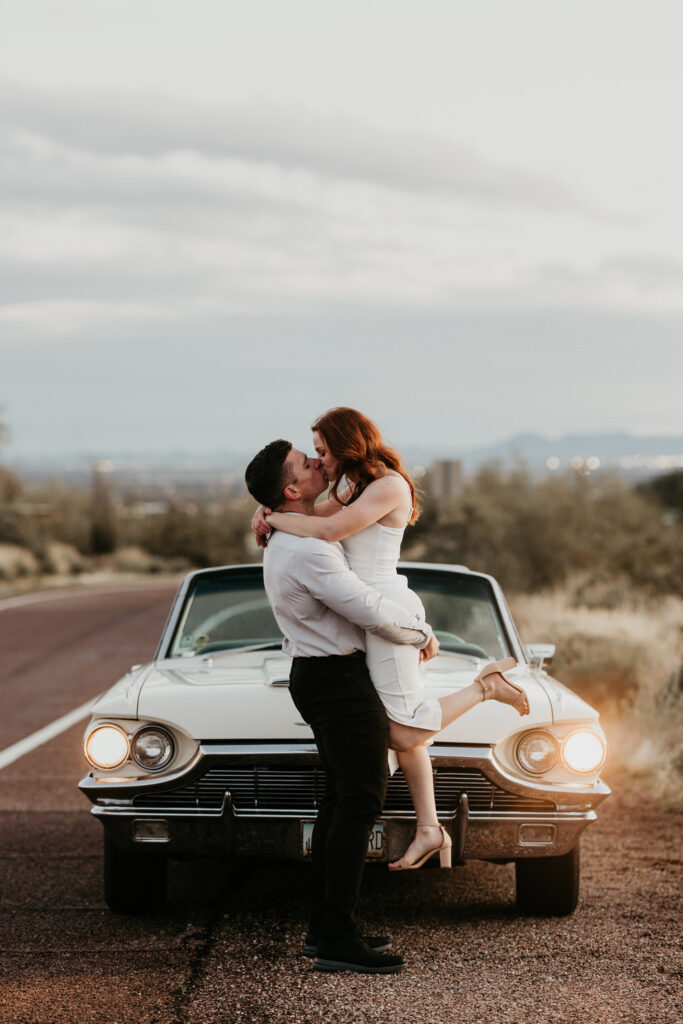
{"type": "Point", "coordinates": [624, 452]}
{"type": "Point", "coordinates": [631, 455]}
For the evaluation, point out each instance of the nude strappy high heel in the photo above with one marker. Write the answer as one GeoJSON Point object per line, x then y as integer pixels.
{"type": "Point", "coordinates": [492, 690]}
{"type": "Point", "coordinates": [443, 850]}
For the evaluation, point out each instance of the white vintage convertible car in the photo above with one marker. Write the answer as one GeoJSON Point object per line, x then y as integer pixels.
{"type": "Point", "coordinates": [202, 752]}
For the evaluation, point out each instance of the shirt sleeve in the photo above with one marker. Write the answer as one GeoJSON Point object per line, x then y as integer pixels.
{"type": "Point", "coordinates": [325, 574]}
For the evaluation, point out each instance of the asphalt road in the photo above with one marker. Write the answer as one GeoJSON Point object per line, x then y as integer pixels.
{"type": "Point", "coordinates": [227, 949]}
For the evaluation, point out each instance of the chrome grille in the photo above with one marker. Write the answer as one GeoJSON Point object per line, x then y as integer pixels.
{"type": "Point", "coordinates": [302, 789]}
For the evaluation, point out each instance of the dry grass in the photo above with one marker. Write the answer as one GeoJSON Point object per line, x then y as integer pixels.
{"type": "Point", "coordinates": [17, 562]}
{"type": "Point", "coordinates": [134, 559]}
{"type": "Point", "coordinates": [60, 559]}
{"type": "Point", "coordinates": [62, 564]}
{"type": "Point", "coordinates": [628, 662]}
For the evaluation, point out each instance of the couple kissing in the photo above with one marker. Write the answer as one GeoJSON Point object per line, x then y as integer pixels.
{"type": "Point", "coordinates": [357, 636]}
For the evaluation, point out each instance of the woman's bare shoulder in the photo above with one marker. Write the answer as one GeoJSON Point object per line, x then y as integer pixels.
{"type": "Point", "coordinates": [390, 481]}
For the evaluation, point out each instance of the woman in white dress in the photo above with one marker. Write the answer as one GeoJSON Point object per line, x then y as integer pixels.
{"type": "Point", "coordinates": [372, 499]}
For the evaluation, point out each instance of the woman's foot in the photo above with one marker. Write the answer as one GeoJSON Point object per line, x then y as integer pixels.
{"type": "Point", "coordinates": [429, 839]}
{"type": "Point", "coordinates": [495, 686]}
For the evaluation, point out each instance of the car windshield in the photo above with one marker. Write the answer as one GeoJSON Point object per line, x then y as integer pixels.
{"type": "Point", "coordinates": [463, 612]}
{"type": "Point", "coordinates": [223, 612]}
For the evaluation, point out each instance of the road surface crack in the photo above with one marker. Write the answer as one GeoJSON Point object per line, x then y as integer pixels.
{"type": "Point", "coordinates": [183, 996]}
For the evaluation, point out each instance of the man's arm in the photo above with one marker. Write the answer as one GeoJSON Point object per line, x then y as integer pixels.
{"type": "Point", "coordinates": [325, 574]}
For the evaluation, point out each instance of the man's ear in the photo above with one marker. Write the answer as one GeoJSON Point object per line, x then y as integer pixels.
{"type": "Point", "coordinates": [292, 492]}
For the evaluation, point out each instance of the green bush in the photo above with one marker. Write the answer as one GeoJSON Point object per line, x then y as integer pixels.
{"type": "Point", "coordinates": [203, 536]}
{"type": "Point", "coordinates": [533, 533]}
{"type": "Point", "coordinates": [667, 489]}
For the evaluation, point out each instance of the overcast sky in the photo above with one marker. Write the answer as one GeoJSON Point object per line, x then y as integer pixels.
{"type": "Point", "coordinates": [219, 219]}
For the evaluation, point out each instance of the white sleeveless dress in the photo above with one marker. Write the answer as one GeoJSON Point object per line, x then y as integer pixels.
{"type": "Point", "coordinates": [395, 669]}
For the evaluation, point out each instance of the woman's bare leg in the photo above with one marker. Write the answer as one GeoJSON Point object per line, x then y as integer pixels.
{"type": "Point", "coordinates": [453, 705]}
{"type": "Point", "coordinates": [416, 765]}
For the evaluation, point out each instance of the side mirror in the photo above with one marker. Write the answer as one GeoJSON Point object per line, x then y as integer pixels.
{"type": "Point", "coordinates": [538, 653]}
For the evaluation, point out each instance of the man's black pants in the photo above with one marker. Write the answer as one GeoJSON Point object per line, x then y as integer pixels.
{"type": "Point", "coordinates": [336, 697]}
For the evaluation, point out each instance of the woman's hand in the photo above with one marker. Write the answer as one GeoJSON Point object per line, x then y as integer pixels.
{"type": "Point", "coordinates": [431, 650]}
{"type": "Point", "coordinates": [259, 525]}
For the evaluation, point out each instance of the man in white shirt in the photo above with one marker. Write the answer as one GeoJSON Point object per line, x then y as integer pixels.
{"type": "Point", "coordinates": [323, 609]}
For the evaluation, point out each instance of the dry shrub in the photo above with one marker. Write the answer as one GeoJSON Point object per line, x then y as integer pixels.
{"type": "Point", "coordinates": [10, 486]}
{"type": "Point", "coordinates": [16, 561]}
{"type": "Point", "coordinates": [627, 661]}
{"type": "Point", "coordinates": [63, 559]}
{"type": "Point", "coordinates": [135, 560]}
{"type": "Point", "coordinates": [534, 534]}
{"type": "Point", "coordinates": [210, 534]}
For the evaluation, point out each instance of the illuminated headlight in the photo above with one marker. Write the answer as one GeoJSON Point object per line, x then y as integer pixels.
{"type": "Point", "coordinates": [152, 749]}
{"type": "Point", "coordinates": [583, 751]}
{"type": "Point", "coordinates": [537, 752]}
{"type": "Point", "coordinates": [106, 746]}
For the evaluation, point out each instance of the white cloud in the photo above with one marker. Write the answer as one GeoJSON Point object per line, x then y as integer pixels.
{"type": "Point", "coordinates": [255, 208]}
{"type": "Point", "coordinates": [334, 147]}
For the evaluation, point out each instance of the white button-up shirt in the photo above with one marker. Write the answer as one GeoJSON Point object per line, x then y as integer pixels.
{"type": "Point", "coordinates": [322, 607]}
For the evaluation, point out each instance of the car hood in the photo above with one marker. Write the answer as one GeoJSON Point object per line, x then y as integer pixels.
{"type": "Point", "coordinates": [244, 696]}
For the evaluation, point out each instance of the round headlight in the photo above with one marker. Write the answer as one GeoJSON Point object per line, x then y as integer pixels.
{"type": "Point", "coordinates": [537, 752]}
{"type": "Point", "coordinates": [583, 751]}
{"type": "Point", "coordinates": [152, 749]}
{"type": "Point", "coordinates": [106, 746]}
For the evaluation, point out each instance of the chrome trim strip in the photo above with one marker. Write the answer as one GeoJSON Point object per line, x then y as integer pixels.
{"type": "Point", "coordinates": [128, 811]}
{"type": "Point", "coordinates": [483, 817]}
{"type": "Point", "coordinates": [222, 748]}
{"type": "Point", "coordinates": [459, 834]}
{"type": "Point", "coordinates": [508, 622]}
{"type": "Point", "coordinates": [172, 618]}
{"type": "Point", "coordinates": [534, 818]}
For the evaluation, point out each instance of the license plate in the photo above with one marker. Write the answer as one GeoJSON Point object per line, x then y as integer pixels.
{"type": "Point", "coordinates": [375, 840]}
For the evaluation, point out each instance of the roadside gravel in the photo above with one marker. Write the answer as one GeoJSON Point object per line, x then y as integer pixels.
{"type": "Point", "coordinates": [470, 957]}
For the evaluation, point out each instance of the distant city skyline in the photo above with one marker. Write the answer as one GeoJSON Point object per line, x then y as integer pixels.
{"type": "Point", "coordinates": [627, 454]}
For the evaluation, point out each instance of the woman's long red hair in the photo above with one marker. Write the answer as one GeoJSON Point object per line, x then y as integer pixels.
{"type": "Point", "coordinates": [356, 444]}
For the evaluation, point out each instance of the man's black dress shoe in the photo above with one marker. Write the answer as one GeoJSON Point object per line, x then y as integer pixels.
{"type": "Point", "coordinates": [380, 944]}
{"type": "Point", "coordinates": [355, 955]}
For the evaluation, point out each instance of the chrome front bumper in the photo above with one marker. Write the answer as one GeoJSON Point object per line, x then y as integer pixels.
{"type": "Point", "coordinates": [228, 830]}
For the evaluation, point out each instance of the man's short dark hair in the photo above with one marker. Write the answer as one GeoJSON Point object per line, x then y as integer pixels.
{"type": "Point", "coordinates": [266, 476]}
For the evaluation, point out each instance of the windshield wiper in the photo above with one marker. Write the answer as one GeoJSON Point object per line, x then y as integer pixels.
{"type": "Point", "coordinates": [473, 659]}
{"type": "Point", "coordinates": [271, 645]}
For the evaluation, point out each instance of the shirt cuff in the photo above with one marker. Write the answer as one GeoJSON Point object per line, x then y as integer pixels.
{"type": "Point", "coordinates": [417, 623]}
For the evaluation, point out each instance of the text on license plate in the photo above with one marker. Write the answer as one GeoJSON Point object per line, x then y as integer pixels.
{"type": "Point", "coordinates": [375, 840]}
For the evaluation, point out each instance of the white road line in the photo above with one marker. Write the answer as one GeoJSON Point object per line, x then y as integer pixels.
{"type": "Point", "coordinates": [58, 595]}
{"type": "Point", "coordinates": [48, 732]}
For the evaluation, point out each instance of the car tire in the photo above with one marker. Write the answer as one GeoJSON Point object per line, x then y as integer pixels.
{"type": "Point", "coordinates": [548, 886]}
{"type": "Point", "coordinates": [134, 882]}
